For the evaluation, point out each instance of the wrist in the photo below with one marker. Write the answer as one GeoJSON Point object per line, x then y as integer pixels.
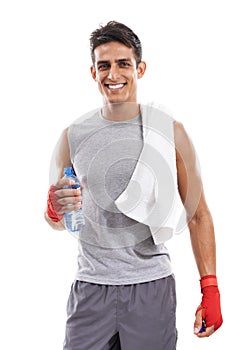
{"type": "Point", "coordinates": [208, 280]}
{"type": "Point", "coordinates": [52, 206]}
{"type": "Point", "coordinates": [210, 304]}
{"type": "Point", "coordinates": [59, 225]}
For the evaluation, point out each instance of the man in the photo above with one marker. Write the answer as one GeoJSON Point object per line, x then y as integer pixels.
{"type": "Point", "coordinates": [124, 293]}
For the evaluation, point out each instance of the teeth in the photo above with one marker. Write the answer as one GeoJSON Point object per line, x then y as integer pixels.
{"type": "Point", "coordinates": [118, 86]}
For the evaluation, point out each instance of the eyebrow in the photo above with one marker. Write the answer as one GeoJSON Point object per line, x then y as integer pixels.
{"type": "Point", "coordinates": [117, 61]}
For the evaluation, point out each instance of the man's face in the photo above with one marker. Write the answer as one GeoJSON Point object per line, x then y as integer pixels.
{"type": "Point", "coordinates": [116, 73]}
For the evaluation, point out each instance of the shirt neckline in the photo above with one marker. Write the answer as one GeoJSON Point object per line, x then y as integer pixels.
{"type": "Point", "coordinates": [117, 121]}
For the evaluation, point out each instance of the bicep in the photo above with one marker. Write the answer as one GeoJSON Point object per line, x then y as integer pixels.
{"type": "Point", "coordinates": [60, 158]}
{"type": "Point", "coordinates": [188, 173]}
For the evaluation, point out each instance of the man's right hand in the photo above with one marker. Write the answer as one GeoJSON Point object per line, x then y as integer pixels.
{"type": "Point", "coordinates": [61, 200]}
{"type": "Point", "coordinates": [69, 199]}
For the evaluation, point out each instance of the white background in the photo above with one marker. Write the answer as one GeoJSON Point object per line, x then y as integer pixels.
{"type": "Point", "coordinates": [198, 55]}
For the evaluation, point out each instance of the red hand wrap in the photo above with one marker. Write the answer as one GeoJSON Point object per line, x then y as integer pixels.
{"type": "Point", "coordinates": [52, 205]}
{"type": "Point", "coordinates": [210, 305]}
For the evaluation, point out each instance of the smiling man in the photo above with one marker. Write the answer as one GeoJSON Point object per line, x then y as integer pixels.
{"type": "Point", "coordinates": [130, 159]}
{"type": "Point", "coordinates": [116, 71]}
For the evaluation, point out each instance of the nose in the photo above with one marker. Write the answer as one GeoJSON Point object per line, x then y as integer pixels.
{"type": "Point", "coordinates": [113, 72]}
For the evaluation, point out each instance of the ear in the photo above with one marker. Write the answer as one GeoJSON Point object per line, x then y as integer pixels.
{"type": "Point", "coordinates": [141, 69]}
{"type": "Point", "coordinates": [93, 72]}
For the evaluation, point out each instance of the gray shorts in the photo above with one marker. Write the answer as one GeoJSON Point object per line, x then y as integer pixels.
{"type": "Point", "coordinates": [127, 317]}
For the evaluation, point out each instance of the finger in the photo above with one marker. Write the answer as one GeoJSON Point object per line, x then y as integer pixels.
{"type": "Point", "coordinates": [69, 208]}
{"type": "Point", "coordinates": [209, 331]}
{"type": "Point", "coordinates": [198, 322]}
{"type": "Point", "coordinates": [70, 200]}
{"type": "Point", "coordinates": [68, 192]}
{"type": "Point", "coordinates": [64, 181]}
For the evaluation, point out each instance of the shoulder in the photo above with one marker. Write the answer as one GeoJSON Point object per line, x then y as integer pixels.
{"type": "Point", "coordinates": [65, 133]}
{"type": "Point", "coordinates": [185, 151]}
{"type": "Point", "coordinates": [181, 136]}
{"type": "Point", "coordinates": [86, 117]}
{"type": "Point", "coordinates": [63, 140]}
{"type": "Point", "coordinates": [84, 124]}
{"type": "Point", "coordinates": [179, 131]}
{"type": "Point", "coordinates": [62, 148]}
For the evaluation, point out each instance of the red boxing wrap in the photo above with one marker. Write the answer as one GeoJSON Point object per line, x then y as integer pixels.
{"type": "Point", "coordinates": [210, 305]}
{"type": "Point", "coordinates": [52, 205]}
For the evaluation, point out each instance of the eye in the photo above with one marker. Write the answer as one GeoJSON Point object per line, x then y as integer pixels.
{"type": "Point", "coordinates": [124, 64]}
{"type": "Point", "coordinates": [103, 66]}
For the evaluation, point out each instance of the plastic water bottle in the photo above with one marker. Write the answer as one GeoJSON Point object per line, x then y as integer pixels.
{"type": "Point", "coordinates": [74, 220]}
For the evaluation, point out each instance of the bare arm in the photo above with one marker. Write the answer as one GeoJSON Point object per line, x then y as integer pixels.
{"type": "Point", "coordinates": [60, 160]}
{"type": "Point", "coordinates": [201, 231]}
{"type": "Point", "coordinates": [190, 186]}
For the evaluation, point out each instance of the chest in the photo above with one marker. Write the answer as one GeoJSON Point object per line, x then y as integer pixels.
{"type": "Point", "coordinates": [108, 155]}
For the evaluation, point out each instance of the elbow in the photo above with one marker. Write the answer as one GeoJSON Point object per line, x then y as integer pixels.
{"type": "Point", "coordinates": [202, 216]}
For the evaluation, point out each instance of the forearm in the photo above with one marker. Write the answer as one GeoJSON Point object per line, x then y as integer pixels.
{"type": "Point", "coordinates": [203, 243]}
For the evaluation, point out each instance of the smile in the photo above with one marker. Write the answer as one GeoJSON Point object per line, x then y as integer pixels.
{"type": "Point", "coordinates": [115, 86]}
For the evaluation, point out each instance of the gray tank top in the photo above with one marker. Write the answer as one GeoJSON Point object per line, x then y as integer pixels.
{"type": "Point", "coordinates": [113, 248]}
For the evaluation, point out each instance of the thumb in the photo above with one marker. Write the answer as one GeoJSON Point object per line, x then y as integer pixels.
{"type": "Point", "coordinates": [198, 321]}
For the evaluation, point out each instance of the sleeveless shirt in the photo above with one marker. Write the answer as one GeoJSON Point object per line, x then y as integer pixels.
{"type": "Point", "coordinates": [113, 248]}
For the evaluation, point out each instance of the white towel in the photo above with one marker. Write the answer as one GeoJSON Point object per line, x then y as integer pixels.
{"type": "Point", "coordinates": [151, 196]}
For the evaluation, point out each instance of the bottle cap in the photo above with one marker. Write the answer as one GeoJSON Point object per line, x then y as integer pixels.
{"type": "Point", "coordinates": [68, 171]}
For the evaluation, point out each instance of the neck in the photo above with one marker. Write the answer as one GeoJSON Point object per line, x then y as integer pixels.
{"type": "Point", "coordinates": [120, 111]}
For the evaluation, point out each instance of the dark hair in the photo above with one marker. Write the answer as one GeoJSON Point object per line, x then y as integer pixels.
{"type": "Point", "coordinates": [115, 31]}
